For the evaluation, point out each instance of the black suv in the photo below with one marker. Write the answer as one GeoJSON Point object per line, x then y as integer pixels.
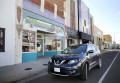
{"type": "Point", "coordinates": [75, 62]}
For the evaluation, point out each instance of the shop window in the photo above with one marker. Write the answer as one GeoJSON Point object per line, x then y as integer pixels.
{"type": "Point", "coordinates": [71, 42]}
{"type": "Point", "coordinates": [28, 44]}
{"type": "Point", "coordinates": [52, 44]}
{"type": "Point", "coordinates": [2, 39]}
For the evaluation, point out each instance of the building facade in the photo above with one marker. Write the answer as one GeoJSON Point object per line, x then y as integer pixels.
{"type": "Point", "coordinates": [98, 37]}
{"type": "Point", "coordinates": [84, 28]}
{"type": "Point", "coordinates": [107, 41]}
{"type": "Point", "coordinates": [71, 27]}
{"type": "Point", "coordinates": [43, 24]}
{"type": "Point", "coordinates": [7, 32]}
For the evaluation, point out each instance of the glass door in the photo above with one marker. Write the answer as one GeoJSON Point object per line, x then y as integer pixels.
{"type": "Point", "coordinates": [40, 47]}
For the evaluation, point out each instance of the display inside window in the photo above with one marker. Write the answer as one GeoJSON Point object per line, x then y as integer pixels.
{"type": "Point", "coordinates": [28, 44]}
{"type": "Point", "coordinates": [2, 39]}
{"type": "Point", "coordinates": [52, 44]}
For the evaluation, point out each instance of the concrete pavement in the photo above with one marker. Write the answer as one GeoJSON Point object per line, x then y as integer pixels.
{"type": "Point", "coordinates": [23, 71]}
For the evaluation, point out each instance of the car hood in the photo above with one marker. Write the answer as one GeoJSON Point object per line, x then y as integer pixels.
{"type": "Point", "coordinates": [69, 56]}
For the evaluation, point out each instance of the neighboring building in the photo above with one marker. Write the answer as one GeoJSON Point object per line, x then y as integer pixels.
{"type": "Point", "coordinates": [71, 26]}
{"type": "Point", "coordinates": [85, 34]}
{"type": "Point", "coordinates": [92, 25]}
{"type": "Point", "coordinates": [98, 37]}
{"type": "Point", "coordinates": [7, 32]}
{"type": "Point", "coordinates": [115, 45]}
{"type": "Point", "coordinates": [107, 41]}
{"type": "Point", "coordinates": [78, 31]}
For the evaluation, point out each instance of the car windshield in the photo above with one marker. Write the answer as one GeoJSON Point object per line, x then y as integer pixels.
{"type": "Point", "coordinates": [77, 50]}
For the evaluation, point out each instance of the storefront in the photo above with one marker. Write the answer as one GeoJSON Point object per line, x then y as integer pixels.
{"type": "Point", "coordinates": [72, 37]}
{"type": "Point", "coordinates": [41, 39]}
{"type": "Point", "coordinates": [43, 34]}
{"type": "Point", "coordinates": [85, 38]}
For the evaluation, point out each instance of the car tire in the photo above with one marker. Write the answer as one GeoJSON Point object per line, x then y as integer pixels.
{"type": "Point", "coordinates": [99, 63]}
{"type": "Point", "coordinates": [85, 72]}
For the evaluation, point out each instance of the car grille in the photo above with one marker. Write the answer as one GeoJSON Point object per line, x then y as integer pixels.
{"type": "Point", "coordinates": [58, 62]}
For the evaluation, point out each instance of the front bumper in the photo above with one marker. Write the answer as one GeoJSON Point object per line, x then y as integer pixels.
{"type": "Point", "coordinates": [64, 71]}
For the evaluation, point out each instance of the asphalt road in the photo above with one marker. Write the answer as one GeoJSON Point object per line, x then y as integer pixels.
{"type": "Point", "coordinates": [109, 73]}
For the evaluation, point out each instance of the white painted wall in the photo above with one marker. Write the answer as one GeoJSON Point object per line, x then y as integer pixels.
{"type": "Point", "coordinates": [18, 33]}
{"type": "Point", "coordinates": [7, 21]}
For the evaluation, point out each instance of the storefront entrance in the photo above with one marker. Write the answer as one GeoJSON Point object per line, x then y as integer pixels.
{"type": "Point", "coordinates": [40, 47]}
{"type": "Point", "coordinates": [40, 44]}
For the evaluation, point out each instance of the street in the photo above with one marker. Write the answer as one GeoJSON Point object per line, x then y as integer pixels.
{"type": "Point", "coordinates": [94, 76]}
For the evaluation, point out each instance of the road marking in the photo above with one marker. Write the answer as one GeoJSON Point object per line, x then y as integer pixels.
{"type": "Point", "coordinates": [103, 76]}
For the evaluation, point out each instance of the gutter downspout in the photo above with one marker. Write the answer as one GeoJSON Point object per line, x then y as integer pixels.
{"type": "Point", "coordinates": [78, 6]}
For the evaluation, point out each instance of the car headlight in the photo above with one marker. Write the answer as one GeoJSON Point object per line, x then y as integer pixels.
{"type": "Point", "coordinates": [50, 60]}
{"type": "Point", "coordinates": [73, 61]}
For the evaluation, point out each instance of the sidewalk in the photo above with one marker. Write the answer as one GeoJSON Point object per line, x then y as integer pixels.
{"type": "Point", "coordinates": [106, 50]}
{"type": "Point", "coordinates": [21, 71]}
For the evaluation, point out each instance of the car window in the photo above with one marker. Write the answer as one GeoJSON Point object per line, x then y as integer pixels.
{"type": "Point", "coordinates": [80, 49]}
{"type": "Point", "coordinates": [74, 47]}
{"type": "Point", "coordinates": [89, 48]}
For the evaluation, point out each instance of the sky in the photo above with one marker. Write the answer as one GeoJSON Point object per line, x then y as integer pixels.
{"type": "Point", "coordinates": [106, 15]}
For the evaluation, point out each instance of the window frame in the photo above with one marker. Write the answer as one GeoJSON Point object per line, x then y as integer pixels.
{"type": "Point", "coordinates": [2, 47]}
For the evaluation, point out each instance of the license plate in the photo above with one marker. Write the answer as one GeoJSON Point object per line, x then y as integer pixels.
{"type": "Point", "coordinates": [56, 69]}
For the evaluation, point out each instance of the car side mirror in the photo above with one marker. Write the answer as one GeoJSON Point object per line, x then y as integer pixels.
{"type": "Point", "coordinates": [90, 51]}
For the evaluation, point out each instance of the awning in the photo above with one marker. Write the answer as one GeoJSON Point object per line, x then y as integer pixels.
{"type": "Point", "coordinates": [71, 33]}
{"type": "Point", "coordinates": [85, 36]}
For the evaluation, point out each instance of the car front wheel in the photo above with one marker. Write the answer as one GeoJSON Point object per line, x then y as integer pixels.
{"type": "Point", "coordinates": [85, 72]}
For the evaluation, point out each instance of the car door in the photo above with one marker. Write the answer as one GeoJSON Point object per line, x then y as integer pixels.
{"type": "Point", "coordinates": [92, 60]}
{"type": "Point", "coordinates": [94, 56]}
{"type": "Point", "coordinates": [90, 55]}
{"type": "Point", "coordinates": [97, 54]}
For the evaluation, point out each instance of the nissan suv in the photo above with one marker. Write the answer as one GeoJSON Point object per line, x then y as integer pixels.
{"type": "Point", "coordinates": [75, 62]}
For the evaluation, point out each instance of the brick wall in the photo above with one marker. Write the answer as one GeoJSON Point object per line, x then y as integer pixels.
{"type": "Point", "coordinates": [37, 2]}
{"type": "Point", "coordinates": [49, 5]}
{"type": "Point", "coordinates": [72, 14]}
{"type": "Point", "coordinates": [60, 6]}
